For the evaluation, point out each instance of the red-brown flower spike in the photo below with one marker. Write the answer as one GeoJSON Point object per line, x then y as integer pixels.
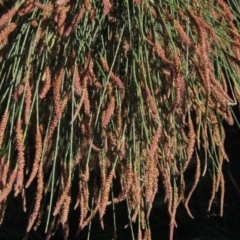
{"type": "Point", "coordinates": [107, 6]}
{"type": "Point", "coordinates": [20, 157]}
{"type": "Point", "coordinates": [3, 125]}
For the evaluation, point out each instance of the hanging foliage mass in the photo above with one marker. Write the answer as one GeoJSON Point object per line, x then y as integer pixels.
{"type": "Point", "coordinates": [134, 90]}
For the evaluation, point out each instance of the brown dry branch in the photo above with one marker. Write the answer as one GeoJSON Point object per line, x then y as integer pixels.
{"type": "Point", "coordinates": [37, 158]}
{"type": "Point", "coordinates": [38, 199]}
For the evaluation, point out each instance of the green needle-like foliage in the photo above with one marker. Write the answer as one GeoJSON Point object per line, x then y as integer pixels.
{"type": "Point", "coordinates": [135, 90]}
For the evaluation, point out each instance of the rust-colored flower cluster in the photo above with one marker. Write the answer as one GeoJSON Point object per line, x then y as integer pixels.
{"type": "Point", "coordinates": [89, 97]}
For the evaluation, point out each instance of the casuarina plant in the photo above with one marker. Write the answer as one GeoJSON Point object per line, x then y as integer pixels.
{"type": "Point", "coordinates": [134, 90]}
